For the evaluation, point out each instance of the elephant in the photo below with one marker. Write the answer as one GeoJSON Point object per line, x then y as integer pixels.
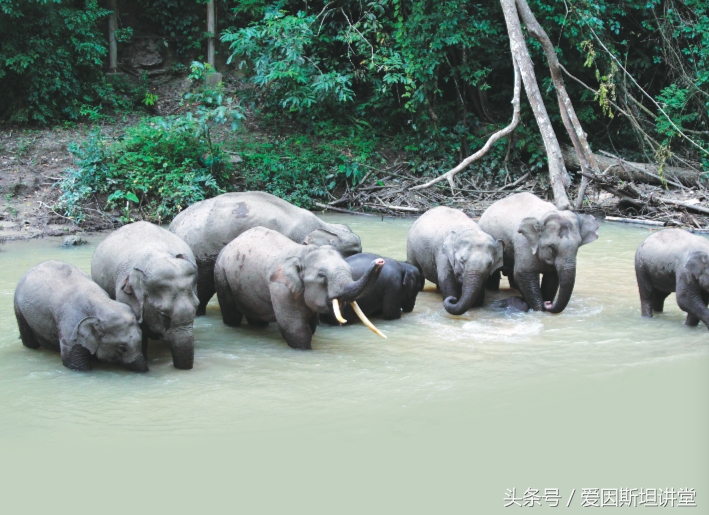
{"type": "Point", "coordinates": [453, 252]}
{"type": "Point", "coordinates": [269, 278]}
{"type": "Point", "coordinates": [539, 239]}
{"type": "Point", "coordinates": [60, 308]}
{"type": "Point", "coordinates": [669, 261]}
{"type": "Point", "coordinates": [154, 272]}
{"type": "Point", "coordinates": [208, 226]}
{"type": "Point", "coordinates": [516, 303]}
{"type": "Point", "coordinates": [394, 291]}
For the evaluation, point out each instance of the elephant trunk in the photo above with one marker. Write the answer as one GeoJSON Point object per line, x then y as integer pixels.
{"type": "Point", "coordinates": [181, 343]}
{"type": "Point", "coordinates": [361, 287]}
{"type": "Point", "coordinates": [566, 270]}
{"type": "Point", "coordinates": [473, 282]}
{"type": "Point", "coordinates": [137, 365]}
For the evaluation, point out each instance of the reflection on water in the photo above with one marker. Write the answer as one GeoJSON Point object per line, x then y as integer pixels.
{"type": "Point", "coordinates": [479, 385]}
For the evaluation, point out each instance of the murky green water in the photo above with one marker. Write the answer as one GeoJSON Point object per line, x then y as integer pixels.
{"type": "Point", "coordinates": [442, 417]}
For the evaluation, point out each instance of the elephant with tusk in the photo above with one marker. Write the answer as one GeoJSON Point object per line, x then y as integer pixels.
{"type": "Point", "coordinates": [266, 277]}
{"type": "Point", "coordinates": [454, 253]}
{"type": "Point", "coordinates": [539, 239]}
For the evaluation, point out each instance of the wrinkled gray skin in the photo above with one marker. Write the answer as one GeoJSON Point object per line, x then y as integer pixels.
{"type": "Point", "coordinates": [269, 278]}
{"type": "Point", "coordinates": [208, 226]}
{"type": "Point", "coordinates": [539, 239]}
{"type": "Point", "coordinates": [453, 252]}
{"type": "Point", "coordinates": [154, 272]}
{"type": "Point", "coordinates": [669, 261]}
{"type": "Point", "coordinates": [515, 303]}
{"type": "Point", "coordinates": [60, 308]}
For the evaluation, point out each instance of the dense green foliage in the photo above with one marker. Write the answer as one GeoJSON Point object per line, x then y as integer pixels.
{"type": "Point", "coordinates": [51, 55]}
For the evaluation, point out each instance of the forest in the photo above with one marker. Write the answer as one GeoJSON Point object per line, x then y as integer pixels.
{"type": "Point", "coordinates": [385, 106]}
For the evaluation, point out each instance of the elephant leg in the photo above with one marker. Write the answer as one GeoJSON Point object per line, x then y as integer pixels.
{"type": "Point", "coordinates": [550, 285]}
{"type": "Point", "coordinates": [658, 300]}
{"type": "Point", "coordinates": [480, 300]}
{"type": "Point", "coordinates": [296, 332]}
{"type": "Point", "coordinates": [145, 346]}
{"type": "Point", "coordinates": [205, 286]}
{"type": "Point", "coordinates": [692, 319]}
{"type": "Point", "coordinates": [26, 334]}
{"type": "Point", "coordinates": [257, 323]}
{"type": "Point", "coordinates": [231, 316]}
{"type": "Point", "coordinates": [647, 292]}
{"type": "Point", "coordinates": [493, 282]}
{"type": "Point", "coordinates": [313, 322]}
{"type": "Point", "coordinates": [528, 285]}
{"type": "Point", "coordinates": [391, 306]}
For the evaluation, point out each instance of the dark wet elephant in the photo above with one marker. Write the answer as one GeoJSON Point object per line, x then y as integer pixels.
{"type": "Point", "coordinates": [208, 226]}
{"type": "Point", "coordinates": [539, 239]}
{"type": "Point", "coordinates": [394, 291]}
{"type": "Point", "coordinates": [60, 308]}
{"type": "Point", "coordinates": [154, 272]}
{"type": "Point", "coordinates": [454, 253]}
{"type": "Point", "coordinates": [268, 278]}
{"type": "Point", "coordinates": [669, 261]}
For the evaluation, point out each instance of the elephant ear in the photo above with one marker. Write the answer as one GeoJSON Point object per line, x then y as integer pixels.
{"type": "Point", "coordinates": [588, 227]}
{"type": "Point", "coordinates": [88, 332]}
{"type": "Point", "coordinates": [320, 237]}
{"type": "Point", "coordinates": [697, 263]}
{"type": "Point", "coordinates": [531, 229]}
{"type": "Point", "coordinates": [499, 259]}
{"type": "Point", "coordinates": [290, 273]}
{"type": "Point", "coordinates": [448, 246]}
{"type": "Point", "coordinates": [182, 256]}
{"type": "Point", "coordinates": [132, 293]}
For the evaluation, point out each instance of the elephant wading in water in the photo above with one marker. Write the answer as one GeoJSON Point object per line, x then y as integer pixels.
{"type": "Point", "coordinates": [395, 291]}
{"type": "Point", "coordinates": [539, 239]}
{"type": "Point", "coordinates": [208, 226]}
{"type": "Point", "coordinates": [153, 271]}
{"type": "Point", "coordinates": [669, 261]}
{"type": "Point", "coordinates": [269, 278]}
{"type": "Point", "coordinates": [60, 308]}
{"type": "Point", "coordinates": [453, 252]}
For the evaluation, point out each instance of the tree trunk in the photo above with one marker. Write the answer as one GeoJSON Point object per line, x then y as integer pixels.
{"type": "Point", "coordinates": [557, 172]}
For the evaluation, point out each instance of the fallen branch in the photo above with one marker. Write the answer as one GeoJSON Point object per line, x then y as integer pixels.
{"type": "Point", "coordinates": [698, 209]}
{"type": "Point", "coordinates": [640, 169]}
{"type": "Point", "coordinates": [513, 184]}
{"type": "Point", "coordinates": [490, 142]}
{"type": "Point", "coordinates": [337, 209]}
{"type": "Point", "coordinates": [396, 208]}
{"type": "Point", "coordinates": [633, 221]}
{"type": "Point", "coordinates": [60, 216]}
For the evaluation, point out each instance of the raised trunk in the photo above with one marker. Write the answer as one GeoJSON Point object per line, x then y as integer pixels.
{"type": "Point", "coordinates": [181, 344]}
{"type": "Point", "coordinates": [361, 287]}
{"type": "Point", "coordinates": [566, 271]}
{"type": "Point", "coordinates": [473, 283]}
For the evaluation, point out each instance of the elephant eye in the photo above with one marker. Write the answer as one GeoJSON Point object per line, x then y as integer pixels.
{"type": "Point", "coordinates": [321, 275]}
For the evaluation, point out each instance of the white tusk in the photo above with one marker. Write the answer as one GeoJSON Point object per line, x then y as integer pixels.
{"type": "Point", "coordinates": [365, 320]}
{"type": "Point", "coordinates": [336, 309]}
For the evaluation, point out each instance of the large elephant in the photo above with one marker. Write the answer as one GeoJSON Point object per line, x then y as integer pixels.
{"type": "Point", "coordinates": [669, 261]}
{"type": "Point", "coordinates": [208, 226]}
{"type": "Point", "coordinates": [453, 252]}
{"type": "Point", "coordinates": [154, 272]}
{"type": "Point", "coordinates": [394, 291]}
{"type": "Point", "coordinates": [269, 278]}
{"type": "Point", "coordinates": [60, 308]}
{"type": "Point", "coordinates": [539, 239]}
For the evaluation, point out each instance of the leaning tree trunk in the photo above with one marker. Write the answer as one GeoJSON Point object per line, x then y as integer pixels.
{"type": "Point", "coordinates": [557, 171]}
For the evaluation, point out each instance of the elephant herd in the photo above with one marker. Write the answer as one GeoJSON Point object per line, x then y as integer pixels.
{"type": "Point", "coordinates": [270, 261]}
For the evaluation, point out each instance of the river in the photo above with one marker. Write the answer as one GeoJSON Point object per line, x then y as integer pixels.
{"type": "Point", "coordinates": [447, 415]}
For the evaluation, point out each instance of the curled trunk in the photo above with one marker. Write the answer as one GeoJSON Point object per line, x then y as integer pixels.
{"type": "Point", "coordinates": [361, 287]}
{"type": "Point", "coordinates": [567, 277]}
{"type": "Point", "coordinates": [472, 285]}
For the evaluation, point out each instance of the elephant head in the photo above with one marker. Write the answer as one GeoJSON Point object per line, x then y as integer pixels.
{"type": "Point", "coordinates": [339, 236]}
{"type": "Point", "coordinates": [112, 336]}
{"type": "Point", "coordinates": [324, 279]}
{"type": "Point", "coordinates": [412, 283]}
{"type": "Point", "coordinates": [698, 265]}
{"type": "Point", "coordinates": [472, 259]}
{"type": "Point", "coordinates": [164, 299]}
{"type": "Point", "coordinates": [555, 241]}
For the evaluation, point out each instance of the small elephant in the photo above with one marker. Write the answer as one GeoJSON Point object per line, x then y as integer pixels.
{"type": "Point", "coordinates": [669, 261]}
{"type": "Point", "coordinates": [395, 290]}
{"type": "Point", "coordinates": [269, 278]}
{"type": "Point", "coordinates": [453, 252]}
{"type": "Point", "coordinates": [208, 226]}
{"type": "Point", "coordinates": [60, 308]}
{"type": "Point", "coordinates": [539, 239]}
{"type": "Point", "coordinates": [154, 272]}
{"type": "Point", "coordinates": [516, 303]}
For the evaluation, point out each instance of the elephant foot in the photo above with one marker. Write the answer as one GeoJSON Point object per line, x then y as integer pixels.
{"type": "Point", "coordinates": [254, 322]}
